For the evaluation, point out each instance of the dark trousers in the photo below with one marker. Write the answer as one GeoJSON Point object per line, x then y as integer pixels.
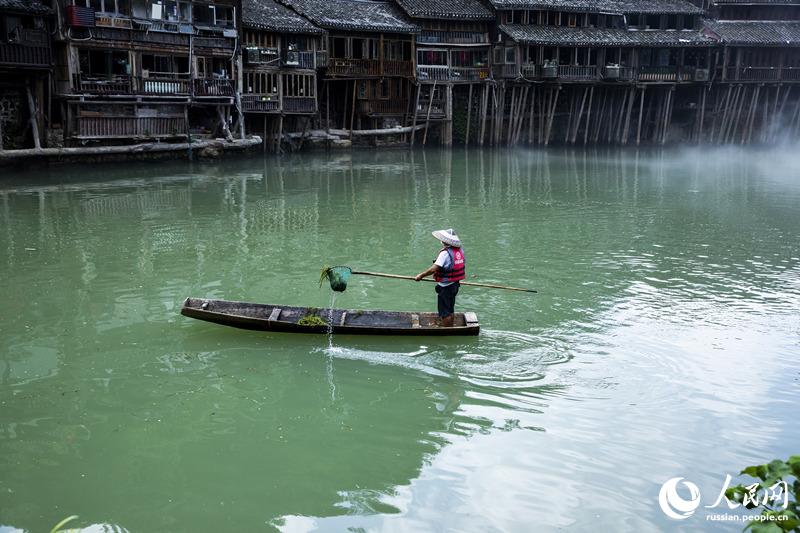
{"type": "Point", "coordinates": [447, 299]}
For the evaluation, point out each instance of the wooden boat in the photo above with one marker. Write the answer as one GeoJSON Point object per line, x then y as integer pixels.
{"type": "Point", "coordinates": [266, 317]}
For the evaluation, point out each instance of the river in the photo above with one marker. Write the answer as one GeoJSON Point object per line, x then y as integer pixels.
{"type": "Point", "coordinates": [663, 341]}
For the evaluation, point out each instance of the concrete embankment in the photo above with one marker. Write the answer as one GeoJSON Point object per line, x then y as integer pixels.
{"type": "Point", "coordinates": [206, 149]}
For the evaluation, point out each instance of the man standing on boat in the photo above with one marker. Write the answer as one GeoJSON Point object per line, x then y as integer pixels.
{"type": "Point", "coordinates": [448, 270]}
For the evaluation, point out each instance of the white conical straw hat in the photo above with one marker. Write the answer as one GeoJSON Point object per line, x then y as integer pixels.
{"type": "Point", "coordinates": [447, 236]}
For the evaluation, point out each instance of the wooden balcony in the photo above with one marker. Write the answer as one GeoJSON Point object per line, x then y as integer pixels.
{"type": "Point", "coordinates": [31, 48]}
{"type": "Point", "coordinates": [261, 103]}
{"type": "Point", "coordinates": [393, 67]}
{"type": "Point", "coordinates": [163, 84]}
{"type": "Point", "coordinates": [673, 74]}
{"type": "Point", "coordinates": [322, 58]}
{"type": "Point", "coordinates": [214, 43]}
{"type": "Point", "coordinates": [299, 60]}
{"type": "Point", "coordinates": [429, 73]}
{"type": "Point", "coordinates": [560, 72]}
{"type": "Point", "coordinates": [125, 127]}
{"type": "Point", "coordinates": [452, 37]}
{"type": "Point", "coordinates": [618, 73]}
{"type": "Point", "coordinates": [299, 104]}
{"type": "Point", "coordinates": [752, 74]}
{"type": "Point", "coordinates": [213, 87]}
{"type": "Point", "coordinates": [577, 72]}
{"type": "Point", "coordinates": [382, 107]}
{"type": "Point", "coordinates": [505, 71]}
{"type": "Point", "coordinates": [369, 67]}
{"type": "Point", "coordinates": [102, 85]}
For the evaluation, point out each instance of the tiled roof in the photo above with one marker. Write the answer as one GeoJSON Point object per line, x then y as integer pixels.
{"type": "Point", "coordinates": [603, 6]}
{"type": "Point", "coordinates": [25, 6]}
{"type": "Point", "coordinates": [555, 35]}
{"type": "Point", "coordinates": [354, 15]}
{"type": "Point", "coordinates": [772, 33]}
{"type": "Point", "coordinates": [449, 9]}
{"type": "Point", "coordinates": [272, 16]}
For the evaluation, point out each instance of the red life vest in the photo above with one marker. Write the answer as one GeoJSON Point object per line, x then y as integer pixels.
{"type": "Point", "coordinates": [457, 270]}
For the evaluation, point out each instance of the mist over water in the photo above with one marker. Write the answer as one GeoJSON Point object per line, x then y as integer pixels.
{"type": "Point", "coordinates": [663, 340]}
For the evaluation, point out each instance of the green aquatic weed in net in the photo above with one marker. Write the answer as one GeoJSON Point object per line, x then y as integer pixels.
{"type": "Point", "coordinates": [312, 320]}
{"type": "Point", "coordinates": [338, 277]}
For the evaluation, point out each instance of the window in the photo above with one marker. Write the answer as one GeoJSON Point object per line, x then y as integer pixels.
{"type": "Point", "coordinates": [572, 20]}
{"type": "Point", "coordinates": [653, 22]}
{"type": "Point", "coordinates": [339, 47]}
{"type": "Point", "coordinates": [210, 15]}
{"type": "Point", "coordinates": [103, 63]}
{"type": "Point", "coordinates": [431, 57]}
{"type": "Point", "coordinates": [155, 66]}
{"type": "Point", "coordinates": [511, 55]}
{"type": "Point", "coordinates": [170, 10]}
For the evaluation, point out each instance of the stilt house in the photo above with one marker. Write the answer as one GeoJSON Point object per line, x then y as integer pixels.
{"type": "Point", "coordinates": [453, 50]}
{"type": "Point", "coordinates": [369, 75]}
{"type": "Point", "coordinates": [25, 70]}
{"type": "Point", "coordinates": [144, 69]}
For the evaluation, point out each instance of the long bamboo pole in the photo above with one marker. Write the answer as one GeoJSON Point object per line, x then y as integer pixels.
{"type": "Point", "coordinates": [412, 278]}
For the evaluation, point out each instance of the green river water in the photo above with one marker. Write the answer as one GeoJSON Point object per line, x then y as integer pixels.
{"type": "Point", "coordinates": [663, 342]}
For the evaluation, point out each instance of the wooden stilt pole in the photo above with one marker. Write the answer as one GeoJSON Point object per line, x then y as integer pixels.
{"type": "Point", "coordinates": [428, 116]}
{"type": "Point", "coordinates": [588, 117]}
{"type": "Point", "coordinates": [414, 120]}
{"type": "Point", "coordinates": [484, 106]}
{"type": "Point", "coordinates": [703, 93]}
{"type": "Point", "coordinates": [353, 105]}
{"type": "Point", "coordinates": [531, 115]}
{"type": "Point", "coordinates": [641, 114]}
{"type": "Point", "coordinates": [469, 115]}
{"type": "Point", "coordinates": [553, 107]}
{"type": "Point", "coordinates": [37, 143]}
{"type": "Point", "coordinates": [626, 127]}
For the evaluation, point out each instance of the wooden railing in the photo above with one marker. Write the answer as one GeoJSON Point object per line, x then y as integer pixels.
{"type": "Point", "coordinates": [213, 87]}
{"type": "Point", "coordinates": [790, 74]}
{"type": "Point", "coordinates": [353, 67]}
{"type": "Point", "coordinates": [577, 72]}
{"type": "Point", "coordinates": [225, 43]}
{"type": "Point", "coordinates": [131, 127]}
{"type": "Point", "coordinates": [382, 107]}
{"type": "Point", "coordinates": [452, 37]}
{"type": "Point", "coordinates": [299, 104]}
{"type": "Point", "coordinates": [369, 67]}
{"type": "Point", "coordinates": [102, 85]}
{"type": "Point", "coordinates": [753, 74]}
{"type": "Point", "coordinates": [433, 72]}
{"type": "Point", "coordinates": [396, 67]}
{"type": "Point", "coordinates": [22, 54]}
{"type": "Point", "coordinates": [505, 71]}
{"type": "Point", "coordinates": [299, 60]}
{"type": "Point", "coordinates": [163, 84]}
{"type": "Point", "coordinates": [322, 58]}
{"type": "Point", "coordinates": [445, 73]}
{"type": "Point", "coordinates": [261, 103]}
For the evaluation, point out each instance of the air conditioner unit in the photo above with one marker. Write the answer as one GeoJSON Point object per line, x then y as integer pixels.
{"type": "Point", "coordinates": [612, 72]}
{"type": "Point", "coordinates": [252, 56]}
{"type": "Point", "coordinates": [80, 17]}
{"type": "Point", "coordinates": [701, 74]}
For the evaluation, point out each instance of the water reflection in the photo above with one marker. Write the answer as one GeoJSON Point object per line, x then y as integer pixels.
{"type": "Point", "coordinates": [668, 288]}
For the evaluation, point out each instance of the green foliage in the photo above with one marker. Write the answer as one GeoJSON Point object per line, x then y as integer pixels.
{"type": "Point", "coordinates": [312, 320]}
{"type": "Point", "coordinates": [776, 519]}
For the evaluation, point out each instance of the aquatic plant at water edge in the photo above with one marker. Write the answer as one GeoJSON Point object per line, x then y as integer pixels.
{"type": "Point", "coordinates": [781, 511]}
